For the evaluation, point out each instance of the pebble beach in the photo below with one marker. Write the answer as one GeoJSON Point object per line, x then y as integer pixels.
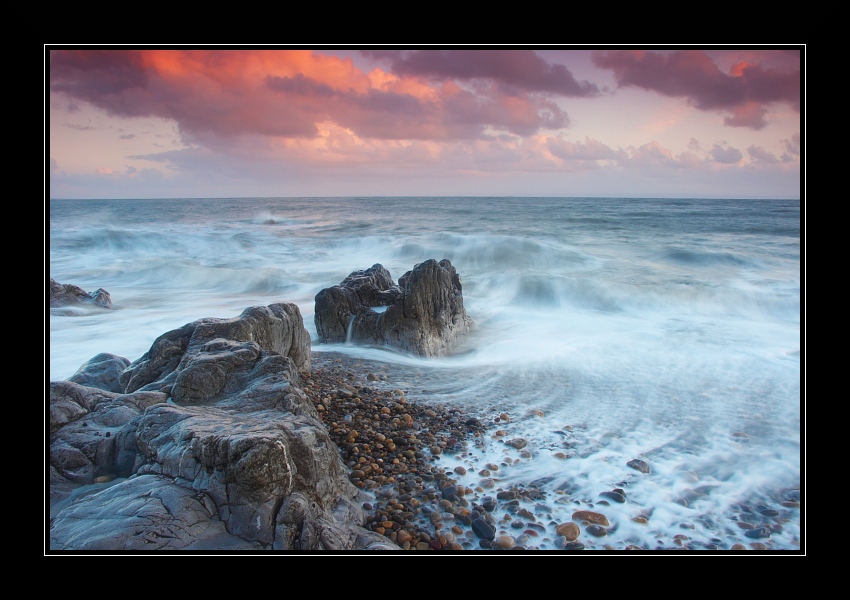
{"type": "Point", "coordinates": [394, 448]}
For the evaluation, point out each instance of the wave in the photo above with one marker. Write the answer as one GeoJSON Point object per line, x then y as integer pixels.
{"type": "Point", "coordinates": [704, 258]}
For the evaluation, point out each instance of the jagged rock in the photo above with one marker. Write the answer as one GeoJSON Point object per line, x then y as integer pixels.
{"type": "Point", "coordinates": [69, 294]}
{"type": "Point", "coordinates": [277, 328]}
{"type": "Point", "coordinates": [360, 291]}
{"type": "Point", "coordinates": [212, 446]}
{"type": "Point", "coordinates": [424, 312]}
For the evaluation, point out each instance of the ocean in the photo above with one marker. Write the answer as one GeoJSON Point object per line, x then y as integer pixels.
{"type": "Point", "coordinates": [608, 330]}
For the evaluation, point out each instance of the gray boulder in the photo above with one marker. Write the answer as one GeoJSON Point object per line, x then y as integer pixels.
{"type": "Point", "coordinates": [422, 314]}
{"type": "Point", "coordinates": [68, 294]}
{"type": "Point", "coordinates": [102, 372]}
{"type": "Point", "coordinates": [211, 446]}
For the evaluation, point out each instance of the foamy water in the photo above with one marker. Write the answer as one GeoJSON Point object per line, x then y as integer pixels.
{"type": "Point", "coordinates": [608, 329]}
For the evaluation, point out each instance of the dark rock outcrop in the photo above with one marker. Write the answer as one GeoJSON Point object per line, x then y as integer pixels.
{"type": "Point", "coordinates": [68, 294]}
{"type": "Point", "coordinates": [423, 314]}
{"type": "Point", "coordinates": [209, 444]}
{"type": "Point", "coordinates": [277, 328]}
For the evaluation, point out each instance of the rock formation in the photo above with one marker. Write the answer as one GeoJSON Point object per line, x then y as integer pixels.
{"type": "Point", "coordinates": [423, 314]}
{"type": "Point", "coordinates": [206, 442]}
{"type": "Point", "coordinates": [68, 294]}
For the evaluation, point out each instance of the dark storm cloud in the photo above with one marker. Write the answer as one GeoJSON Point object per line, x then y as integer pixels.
{"type": "Point", "coordinates": [102, 77]}
{"type": "Point", "coordinates": [511, 69]}
{"type": "Point", "coordinates": [88, 74]}
{"type": "Point", "coordinates": [693, 75]}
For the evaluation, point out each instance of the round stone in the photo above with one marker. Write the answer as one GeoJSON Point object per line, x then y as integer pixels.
{"type": "Point", "coordinates": [450, 492]}
{"type": "Point", "coordinates": [570, 531]}
{"type": "Point", "coordinates": [614, 495]}
{"type": "Point", "coordinates": [483, 529]}
{"type": "Point", "coordinates": [504, 541]}
{"type": "Point", "coordinates": [403, 536]}
{"type": "Point", "coordinates": [638, 465]}
{"type": "Point", "coordinates": [591, 517]}
{"type": "Point", "coordinates": [758, 533]}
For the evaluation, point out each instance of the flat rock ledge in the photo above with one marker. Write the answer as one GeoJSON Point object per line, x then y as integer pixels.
{"type": "Point", "coordinates": [423, 314]}
{"type": "Point", "coordinates": [206, 443]}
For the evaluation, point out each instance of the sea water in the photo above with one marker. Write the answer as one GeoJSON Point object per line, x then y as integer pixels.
{"type": "Point", "coordinates": [607, 330]}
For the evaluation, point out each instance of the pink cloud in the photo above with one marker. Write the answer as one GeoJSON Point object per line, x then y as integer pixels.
{"type": "Point", "coordinates": [588, 150]}
{"type": "Point", "coordinates": [744, 93]}
{"type": "Point", "coordinates": [651, 154]}
{"type": "Point", "coordinates": [760, 155]}
{"type": "Point", "coordinates": [221, 94]}
{"type": "Point", "coordinates": [726, 154]}
{"type": "Point", "coordinates": [751, 114]}
{"type": "Point", "coordinates": [792, 146]}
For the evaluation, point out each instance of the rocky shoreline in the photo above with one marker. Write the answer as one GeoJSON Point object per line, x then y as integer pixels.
{"type": "Point", "coordinates": [235, 434]}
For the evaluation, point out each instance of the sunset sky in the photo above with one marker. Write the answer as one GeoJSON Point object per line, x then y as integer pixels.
{"type": "Point", "coordinates": [136, 122]}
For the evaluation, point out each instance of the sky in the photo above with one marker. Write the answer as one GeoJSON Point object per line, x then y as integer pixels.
{"type": "Point", "coordinates": [259, 121]}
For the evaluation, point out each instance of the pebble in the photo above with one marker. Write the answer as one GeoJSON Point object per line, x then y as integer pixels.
{"type": "Point", "coordinates": [591, 517]}
{"type": "Point", "coordinates": [570, 531]}
{"type": "Point", "coordinates": [615, 495]}
{"type": "Point", "coordinates": [597, 530]}
{"type": "Point", "coordinates": [483, 529]}
{"type": "Point", "coordinates": [638, 465]}
{"type": "Point", "coordinates": [758, 533]}
{"type": "Point", "coordinates": [504, 541]}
